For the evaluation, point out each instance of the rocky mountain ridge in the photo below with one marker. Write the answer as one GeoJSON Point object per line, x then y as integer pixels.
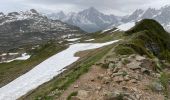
{"type": "Point", "coordinates": [91, 20]}
{"type": "Point", "coordinates": [30, 27]}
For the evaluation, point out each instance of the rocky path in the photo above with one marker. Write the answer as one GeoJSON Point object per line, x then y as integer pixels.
{"type": "Point", "coordinates": [126, 78]}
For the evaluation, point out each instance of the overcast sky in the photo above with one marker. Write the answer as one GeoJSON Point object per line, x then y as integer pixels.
{"type": "Point", "coordinates": [117, 7]}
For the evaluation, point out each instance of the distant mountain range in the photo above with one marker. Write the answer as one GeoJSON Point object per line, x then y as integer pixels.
{"type": "Point", "coordinates": [31, 27]}
{"type": "Point", "coordinates": [91, 20]}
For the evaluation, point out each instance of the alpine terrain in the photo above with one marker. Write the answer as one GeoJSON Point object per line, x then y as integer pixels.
{"type": "Point", "coordinates": [91, 20]}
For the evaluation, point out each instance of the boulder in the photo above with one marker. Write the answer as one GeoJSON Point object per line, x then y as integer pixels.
{"type": "Point", "coordinates": [106, 80]}
{"type": "Point", "coordinates": [157, 86]}
{"type": "Point", "coordinates": [134, 65]}
{"type": "Point", "coordinates": [118, 79]}
{"type": "Point", "coordinates": [139, 58]}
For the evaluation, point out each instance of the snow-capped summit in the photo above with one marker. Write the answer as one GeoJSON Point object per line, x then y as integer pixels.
{"type": "Point", "coordinates": [55, 16]}
{"type": "Point", "coordinates": [18, 28]}
{"type": "Point", "coordinates": [90, 19]}
{"type": "Point", "coordinates": [162, 15]}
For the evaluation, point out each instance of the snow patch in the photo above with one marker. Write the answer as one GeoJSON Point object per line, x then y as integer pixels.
{"type": "Point", "coordinates": [126, 26]}
{"type": "Point", "coordinates": [45, 71]}
{"type": "Point", "coordinates": [24, 56]}
{"type": "Point", "coordinates": [71, 40]}
{"type": "Point", "coordinates": [90, 40]}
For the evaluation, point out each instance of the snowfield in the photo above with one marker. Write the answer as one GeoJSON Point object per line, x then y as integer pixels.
{"type": "Point", "coordinates": [126, 26]}
{"type": "Point", "coordinates": [45, 71]}
{"type": "Point", "coordinates": [89, 40]}
{"type": "Point", "coordinates": [24, 56]}
{"type": "Point", "coordinates": [72, 40]}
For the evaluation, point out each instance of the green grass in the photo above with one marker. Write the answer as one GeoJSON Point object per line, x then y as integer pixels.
{"type": "Point", "coordinates": [104, 37]}
{"type": "Point", "coordinates": [164, 80]}
{"type": "Point", "coordinates": [147, 38]}
{"type": "Point", "coordinates": [71, 75]}
{"type": "Point", "coordinates": [12, 70]}
{"type": "Point", "coordinates": [72, 94]}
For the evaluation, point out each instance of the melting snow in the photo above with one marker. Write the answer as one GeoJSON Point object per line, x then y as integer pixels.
{"type": "Point", "coordinates": [71, 40]}
{"type": "Point", "coordinates": [45, 71]}
{"type": "Point", "coordinates": [90, 40]}
{"type": "Point", "coordinates": [24, 56]}
{"type": "Point", "coordinates": [126, 26]}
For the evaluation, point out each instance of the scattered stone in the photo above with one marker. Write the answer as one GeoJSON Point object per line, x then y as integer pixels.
{"type": "Point", "coordinates": [133, 81]}
{"type": "Point", "coordinates": [124, 88]}
{"type": "Point", "coordinates": [106, 80]}
{"type": "Point", "coordinates": [112, 96]}
{"type": "Point", "coordinates": [118, 79]}
{"type": "Point", "coordinates": [145, 71]}
{"type": "Point", "coordinates": [76, 86]}
{"type": "Point", "coordinates": [112, 65]}
{"type": "Point", "coordinates": [127, 78]}
{"type": "Point", "coordinates": [116, 69]}
{"type": "Point", "coordinates": [117, 74]}
{"type": "Point", "coordinates": [134, 65]}
{"type": "Point", "coordinates": [75, 98]}
{"type": "Point", "coordinates": [92, 80]}
{"type": "Point", "coordinates": [109, 72]}
{"type": "Point", "coordinates": [100, 76]}
{"type": "Point", "coordinates": [99, 88]}
{"type": "Point", "coordinates": [83, 94]}
{"type": "Point", "coordinates": [139, 58]}
{"type": "Point", "coordinates": [157, 86]}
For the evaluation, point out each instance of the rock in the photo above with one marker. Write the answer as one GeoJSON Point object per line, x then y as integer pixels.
{"type": "Point", "coordinates": [92, 80]}
{"type": "Point", "coordinates": [117, 74]}
{"type": "Point", "coordinates": [112, 95]}
{"type": "Point", "coordinates": [132, 56]}
{"type": "Point", "coordinates": [99, 88]}
{"type": "Point", "coordinates": [83, 94]}
{"type": "Point", "coordinates": [76, 86]}
{"type": "Point", "coordinates": [106, 80]}
{"type": "Point", "coordinates": [134, 65]}
{"type": "Point", "coordinates": [75, 98]}
{"type": "Point", "coordinates": [109, 72]}
{"type": "Point", "coordinates": [140, 58]}
{"type": "Point", "coordinates": [118, 79]}
{"type": "Point", "coordinates": [124, 88]}
{"type": "Point", "coordinates": [157, 86]}
{"type": "Point", "coordinates": [146, 63]}
{"type": "Point", "coordinates": [127, 78]}
{"type": "Point", "coordinates": [112, 65]}
{"type": "Point", "coordinates": [133, 81]}
{"type": "Point", "coordinates": [100, 76]}
{"type": "Point", "coordinates": [116, 70]}
{"type": "Point", "coordinates": [145, 71]}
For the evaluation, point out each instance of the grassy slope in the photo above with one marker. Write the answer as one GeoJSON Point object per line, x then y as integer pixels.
{"type": "Point", "coordinates": [10, 71]}
{"type": "Point", "coordinates": [147, 38]}
{"type": "Point", "coordinates": [58, 84]}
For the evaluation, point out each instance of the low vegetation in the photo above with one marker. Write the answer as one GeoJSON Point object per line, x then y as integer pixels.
{"type": "Point", "coordinates": [147, 38]}
{"type": "Point", "coordinates": [55, 87]}
{"type": "Point", "coordinates": [12, 70]}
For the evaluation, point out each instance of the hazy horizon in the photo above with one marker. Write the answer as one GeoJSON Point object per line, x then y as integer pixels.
{"type": "Point", "coordinates": [121, 7]}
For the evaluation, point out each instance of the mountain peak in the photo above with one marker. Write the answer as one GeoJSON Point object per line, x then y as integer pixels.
{"type": "Point", "coordinates": [33, 11]}
{"type": "Point", "coordinates": [90, 10]}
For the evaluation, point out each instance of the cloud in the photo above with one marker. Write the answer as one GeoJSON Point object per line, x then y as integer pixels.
{"type": "Point", "coordinates": [119, 7]}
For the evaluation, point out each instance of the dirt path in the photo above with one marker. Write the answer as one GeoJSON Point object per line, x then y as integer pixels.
{"type": "Point", "coordinates": [85, 82]}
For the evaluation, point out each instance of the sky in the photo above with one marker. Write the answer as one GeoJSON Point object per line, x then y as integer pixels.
{"type": "Point", "coordinates": [117, 7]}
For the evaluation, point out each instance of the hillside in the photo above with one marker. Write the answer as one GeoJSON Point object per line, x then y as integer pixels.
{"type": "Point", "coordinates": [133, 68]}
{"type": "Point", "coordinates": [30, 27]}
{"type": "Point", "coordinates": [149, 38]}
